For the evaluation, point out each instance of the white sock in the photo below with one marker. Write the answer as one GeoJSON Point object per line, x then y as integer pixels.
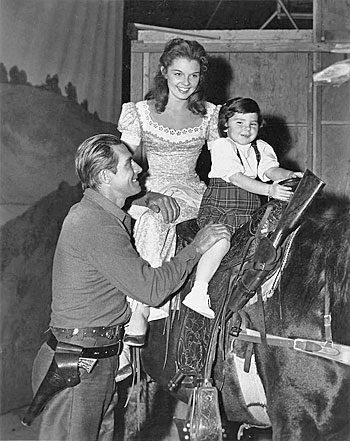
{"type": "Point", "coordinates": [200, 287]}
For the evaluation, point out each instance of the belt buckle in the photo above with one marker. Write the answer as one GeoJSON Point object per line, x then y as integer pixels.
{"type": "Point", "coordinates": [111, 333]}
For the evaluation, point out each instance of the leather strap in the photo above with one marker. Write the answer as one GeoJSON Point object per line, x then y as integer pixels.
{"type": "Point", "coordinates": [91, 352]}
{"type": "Point", "coordinates": [335, 352]}
{"type": "Point", "coordinates": [109, 332]}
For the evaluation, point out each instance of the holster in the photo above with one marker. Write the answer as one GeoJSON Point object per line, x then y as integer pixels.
{"type": "Point", "coordinates": [63, 373]}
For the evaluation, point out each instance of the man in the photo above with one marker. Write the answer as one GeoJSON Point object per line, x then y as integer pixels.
{"type": "Point", "coordinates": [95, 267]}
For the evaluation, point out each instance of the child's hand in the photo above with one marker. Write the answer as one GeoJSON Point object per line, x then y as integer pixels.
{"type": "Point", "coordinates": [280, 192]}
{"type": "Point", "coordinates": [296, 174]}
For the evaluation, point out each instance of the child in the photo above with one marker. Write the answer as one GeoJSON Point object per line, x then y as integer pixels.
{"type": "Point", "coordinates": [242, 165]}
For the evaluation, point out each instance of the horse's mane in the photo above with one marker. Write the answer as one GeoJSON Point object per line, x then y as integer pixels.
{"type": "Point", "coordinates": [321, 253]}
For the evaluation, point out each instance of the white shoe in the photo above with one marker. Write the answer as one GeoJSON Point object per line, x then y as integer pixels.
{"type": "Point", "coordinates": [200, 303]}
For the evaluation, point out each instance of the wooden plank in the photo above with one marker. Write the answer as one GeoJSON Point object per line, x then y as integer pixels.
{"type": "Point", "coordinates": [335, 123]}
{"type": "Point", "coordinates": [144, 30]}
{"type": "Point", "coordinates": [310, 112]}
{"type": "Point", "coordinates": [146, 75]}
{"type": "Point", "coordinates": [316, 118]}
{"type": "Point", "coordinates": [153, 66]}
{"type": "Point", "coordinates": [289, 143]}
{"type": "Point", "coordinates": [230, 35]}
{"type": "Point", "coordinates": [295, 155]}
{"type": "Point", "coordinates": [269, 78]}
{"type": "Point", "coordinates": [338, 35]}
{"type": "Point", "coordinates": [317, 22]}
{"type": "Point", "coordinates": [335, 99]}
{"type": "Point", "coordinates": [336, 20]}
{"type": "Point", "coordinates": [136, 82]}
{"type": "Point", "coordinates": [336, 159]}
{"type": "Point", "coordinates": [246, 46]}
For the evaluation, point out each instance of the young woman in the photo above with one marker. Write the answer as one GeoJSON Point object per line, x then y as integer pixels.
{"type": "Point", "coordinates": [172, 124]}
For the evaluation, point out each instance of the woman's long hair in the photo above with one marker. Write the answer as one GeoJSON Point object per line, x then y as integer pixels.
{"type": "Point", "coordinates": [180, 48]}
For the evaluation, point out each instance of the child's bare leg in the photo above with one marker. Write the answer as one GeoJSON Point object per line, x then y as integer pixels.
{"type": "Point", "coordinates": [210, 261]}
{"type": "Point", "coordinates": [198, 298]}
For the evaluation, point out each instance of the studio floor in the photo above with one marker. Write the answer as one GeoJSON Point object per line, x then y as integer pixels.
{"type": "Point", "coordinates": [12, 429]}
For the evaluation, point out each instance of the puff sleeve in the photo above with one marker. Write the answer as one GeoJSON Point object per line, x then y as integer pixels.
{"type": "Point", "coordinates": [129, 124]}
{"type": "Point", "coordinates": [212, 130]}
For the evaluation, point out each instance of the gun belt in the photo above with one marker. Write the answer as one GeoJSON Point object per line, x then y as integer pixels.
{"type": "Point", "coordinates": [91, 352]}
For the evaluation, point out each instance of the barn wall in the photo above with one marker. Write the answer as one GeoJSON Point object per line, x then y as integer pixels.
{"type": "Point", "coordinates": [332, 143]}
{"type": "Point", "coordinates": [307, 125]}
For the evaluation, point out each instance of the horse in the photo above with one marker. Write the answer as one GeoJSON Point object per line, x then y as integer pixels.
{"type": "Point", "coordinates": [292, 343]}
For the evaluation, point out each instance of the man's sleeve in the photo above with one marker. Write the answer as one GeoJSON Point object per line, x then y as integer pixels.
{"type": "Point", "coordinates": [112, 254]}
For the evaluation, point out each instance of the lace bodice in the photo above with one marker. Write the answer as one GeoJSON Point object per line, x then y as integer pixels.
{"type": "Point", "coordinates": [172, 154]}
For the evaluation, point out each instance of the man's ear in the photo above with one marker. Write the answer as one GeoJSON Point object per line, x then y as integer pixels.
{"type": "Point", "coordinates": [105, 176]}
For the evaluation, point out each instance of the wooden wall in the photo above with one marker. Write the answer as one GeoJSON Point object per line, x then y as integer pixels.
{"type": "Point", "coordinates": [332, 103]}
{"type": "Point", "coordinates": [308, 125]}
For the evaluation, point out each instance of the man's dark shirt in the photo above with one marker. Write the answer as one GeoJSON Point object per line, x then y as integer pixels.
{"type": "Point", "coordinates": [95, 267]}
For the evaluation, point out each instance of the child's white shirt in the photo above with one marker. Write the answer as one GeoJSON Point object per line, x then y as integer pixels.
{"type": "Point", "coordinates": [225, 160]}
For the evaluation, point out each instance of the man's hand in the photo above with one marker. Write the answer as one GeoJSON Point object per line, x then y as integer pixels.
{"type": "Point", "coordinates": [209, 235]}
{"type": "Point", "coordinates": [166, 205]}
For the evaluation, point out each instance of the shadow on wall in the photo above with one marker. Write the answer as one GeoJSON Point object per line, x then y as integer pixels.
{"type": "Point", "coordinates": [217, 86]}
{"type": "Point", "coordinates": [40, 132]}
{"type": "Point", "coordinates": [27, 248]}
{"type": "Point", "coordinates": [218, 80]}
{"type": "Point", "coordinates": [276, 133]}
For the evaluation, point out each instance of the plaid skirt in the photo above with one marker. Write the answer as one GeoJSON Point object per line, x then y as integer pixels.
{"type": "Point", "coordinates": [225, 203]}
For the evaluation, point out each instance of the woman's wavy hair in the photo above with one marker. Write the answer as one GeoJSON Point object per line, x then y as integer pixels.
{"type": "Point", "coordinates": [236, 105]}
{"type": "Point", "coordinates": [93, 156]}
{"type": "Point", "coordinates": [180, 48]}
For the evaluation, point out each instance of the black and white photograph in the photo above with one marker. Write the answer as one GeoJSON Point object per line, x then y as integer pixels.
{"type": "Point", "coordinates": [175, 220]}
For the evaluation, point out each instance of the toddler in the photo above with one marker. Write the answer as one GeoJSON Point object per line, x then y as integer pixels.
{"type": "Point", "coordinates": [243, 167]}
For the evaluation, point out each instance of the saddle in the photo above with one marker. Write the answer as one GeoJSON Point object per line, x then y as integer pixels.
{"type": "Point", "coordinates": [196, 347]}
{"type": "Point", "coordinates": [254, 253]}
{"type": "Point", "coordinates": [195, 329]}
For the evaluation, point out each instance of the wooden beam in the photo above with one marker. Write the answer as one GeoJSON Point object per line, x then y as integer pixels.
{"type": "Point", "coordinates": [149, 36]}
{"type": "Point", "coordinates": [245, 46]}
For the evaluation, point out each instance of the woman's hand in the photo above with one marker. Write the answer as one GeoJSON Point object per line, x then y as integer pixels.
{"type": "Point", "coordinates": [166, 205]}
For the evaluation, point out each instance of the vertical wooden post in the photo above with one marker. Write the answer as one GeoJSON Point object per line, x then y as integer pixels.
{"type": "Point", "coordinates": [316, 146]}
